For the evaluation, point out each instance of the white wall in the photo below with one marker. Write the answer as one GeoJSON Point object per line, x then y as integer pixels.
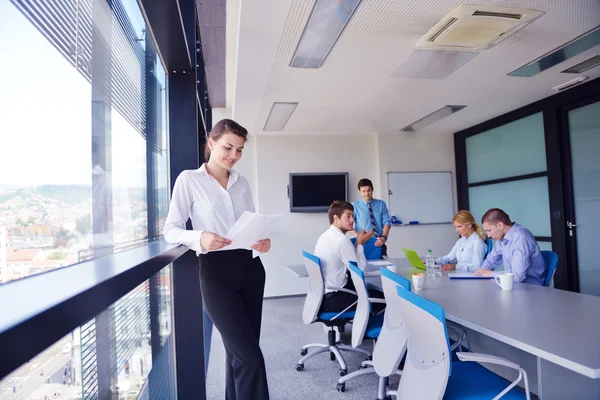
{"type": "Point", "coordinates": [277, 157]}
{"type": "Point", "coordinates": [268, 161]}
{"type": "Point", "coordinates": [412, 152]}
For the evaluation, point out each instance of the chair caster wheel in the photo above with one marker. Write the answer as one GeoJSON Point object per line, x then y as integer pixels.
{"type": "Point", "coordinates": [343, 372]}
{"type": "Point", "coordinates": [299, 367]}
{"type": "Point", "coordinates": [303, 352]}
{"type": "Point", "coordinates": [340, 387]}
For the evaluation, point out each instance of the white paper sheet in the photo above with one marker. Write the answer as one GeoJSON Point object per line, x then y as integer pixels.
{"type": "Point", "coordinates": [251, 228]}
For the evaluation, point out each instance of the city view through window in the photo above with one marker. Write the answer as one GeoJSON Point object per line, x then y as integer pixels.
{"type": "Point", "coordinates": [74, 174]}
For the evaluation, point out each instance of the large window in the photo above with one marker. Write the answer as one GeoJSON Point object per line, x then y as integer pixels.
{"type": "Point", "coordinates": [506, 168]}
{"type": "Point", "coordinates": [83, 173]}
{"type": "Point", "coordinates": [83, 157]}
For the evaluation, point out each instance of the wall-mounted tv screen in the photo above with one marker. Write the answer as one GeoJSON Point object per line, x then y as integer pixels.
{"type": "Point", "coordinates": [314, 192]}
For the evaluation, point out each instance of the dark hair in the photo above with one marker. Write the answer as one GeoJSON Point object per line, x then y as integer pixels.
{"type": "Point", "coordinates": [365, 182]}
{"type": "Point", "coordinates": [222, 127]}
{"type": "Point", "coordinates": [495, 215]}
{"type": "Point", "coordinates": [337, 208]}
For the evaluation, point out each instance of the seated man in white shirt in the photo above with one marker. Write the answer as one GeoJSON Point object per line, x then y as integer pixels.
{"type": "Point", "coordinates": [335, 250]}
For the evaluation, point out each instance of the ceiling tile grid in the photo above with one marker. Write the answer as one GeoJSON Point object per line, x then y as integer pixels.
{"type": "Point", "coordinates": [353, 92]}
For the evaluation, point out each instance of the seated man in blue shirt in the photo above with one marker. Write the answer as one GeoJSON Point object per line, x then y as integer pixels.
{"type": "Point", "coordinates": [515, 246]}
{"type": "Point", "coordinates": [371, 215]}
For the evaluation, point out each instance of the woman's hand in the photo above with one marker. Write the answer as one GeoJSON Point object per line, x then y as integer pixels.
{"type": "Point", "coordinates": [262, 245]}
{"type": "Point", "coordinates": [212, 241]}
{"type": "Point", "coordinates": [448, 267]}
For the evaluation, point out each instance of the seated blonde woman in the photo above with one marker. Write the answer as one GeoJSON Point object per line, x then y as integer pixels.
{"type": "Point", "coordinates": [469, 251]}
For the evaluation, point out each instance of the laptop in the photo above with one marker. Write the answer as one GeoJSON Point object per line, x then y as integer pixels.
{"type": "Point", "coordinates": [414, 259]}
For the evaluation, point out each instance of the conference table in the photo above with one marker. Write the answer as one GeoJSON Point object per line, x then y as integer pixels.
{"type": "Point", "coordinates": [556, 333]}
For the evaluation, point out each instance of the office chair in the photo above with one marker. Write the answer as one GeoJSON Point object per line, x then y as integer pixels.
{"type": "Point", "coordinates": [364, 324]}
{"type": "Point", "coordinates": [489, 246]}
{"type": "Point", "coordinates": [310, 314]}
{"type": "Point", "coordinates": [429, 372]}
{"type": "Point", "coordinates": [372, 252]}
{"type": "Point", "coordinates": [551, 260]}
{"type": "Point", "coordinates": [391, 343]}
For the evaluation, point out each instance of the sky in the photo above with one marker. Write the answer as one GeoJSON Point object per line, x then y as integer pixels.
{"type": "Point", "coordinates": [45, 113]}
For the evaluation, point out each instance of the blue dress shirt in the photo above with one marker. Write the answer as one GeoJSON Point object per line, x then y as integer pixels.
{"type": "Point", "coordinates": [467, 253]}
{"type": "Point", "coordinates": [521, 256]}
{"type": "Point", "coordinates": [362, 219]}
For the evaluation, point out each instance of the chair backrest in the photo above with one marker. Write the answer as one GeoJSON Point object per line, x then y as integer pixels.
{"type": "Point", "coordinates": [428, 361]}
{"type": "Point", "coordinates": [316, 288]}
{"type": "Point", "coordinates": [551, 260]}
{"type": "Point", "coordinates": [372, 252]}
{"type": "Point", "coordinates": [363, 307]}
{"type": "Point", "coordinates": [391, 343]}
{"type": "Point", "coordinates": [489, 245]}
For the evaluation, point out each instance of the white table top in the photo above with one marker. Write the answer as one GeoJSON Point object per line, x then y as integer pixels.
{"type": "Point", "coordinates": [556, 325]}
{"type": "Point", "coordinates": [559, 326]}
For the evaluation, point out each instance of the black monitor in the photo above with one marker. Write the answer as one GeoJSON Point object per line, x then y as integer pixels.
{"type": "Point", "coordinates": [314, 192]}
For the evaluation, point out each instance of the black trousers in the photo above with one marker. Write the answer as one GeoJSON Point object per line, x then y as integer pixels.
{"type": "Point", "coordinates": [384, 250]}
{"type": "Point", "coordinates": [232, 284]}
{"type": "Point", "coordinates": [338, 301]}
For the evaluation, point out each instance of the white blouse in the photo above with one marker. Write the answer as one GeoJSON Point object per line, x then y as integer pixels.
{"type": "Point", "coordinates": [198, 196]}
{"type": "Point", "coordinates": [468, 253]}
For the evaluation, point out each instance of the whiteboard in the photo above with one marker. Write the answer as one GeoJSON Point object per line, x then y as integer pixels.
{"type": "Point", "coordinates": [427, 197]}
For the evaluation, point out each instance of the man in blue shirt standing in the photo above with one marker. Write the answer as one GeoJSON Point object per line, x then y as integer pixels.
{"type": "Point", "coordinates": [372, 215]}
{"type": "Point", "coordinates": [515, 246]}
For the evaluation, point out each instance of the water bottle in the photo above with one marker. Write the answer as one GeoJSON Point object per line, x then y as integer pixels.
{"type": "Point", "coordinates": [430, 264]}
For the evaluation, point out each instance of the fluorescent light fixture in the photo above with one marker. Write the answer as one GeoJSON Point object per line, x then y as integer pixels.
{"type": "Point", "coordinates": [432, 118]}
{"type": "Point", "coordinates": [566, 51]}
{"type": "Point", "coordinates": [279, 116]}
{"type": "Point", "coordinates": [435, 64]}
{"type": "Point", "coordinates": [324, 27]}
{"type": "Point", "coordinates": [570, 84]}
{"type": "Point", "coordinates": [583, 66]}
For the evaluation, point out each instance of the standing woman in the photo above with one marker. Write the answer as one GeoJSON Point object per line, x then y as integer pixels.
{"type": "Point", "coordinates": [232, 281]}
{"type": "Point", "coordinates": [469, 251]}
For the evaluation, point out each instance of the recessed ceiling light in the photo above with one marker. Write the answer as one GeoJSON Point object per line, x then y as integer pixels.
{"type": "Point", "coordinates": [325, 25]}
{"type": "Point", "coordinates": [583, 66]}
{"type": "Point", "coordinates": [566, 51]}
{"type": "Point", "coordinates": [432, 118]}
{"type": "Point", "coordinates": [279, 116]}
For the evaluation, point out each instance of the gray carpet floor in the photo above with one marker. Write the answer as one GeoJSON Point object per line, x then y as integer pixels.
{"type": "Point", "coordinates": [283, 335]}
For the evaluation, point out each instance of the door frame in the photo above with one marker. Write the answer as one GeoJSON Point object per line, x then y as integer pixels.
{"type": "Point", "coordinates": [564, 140]}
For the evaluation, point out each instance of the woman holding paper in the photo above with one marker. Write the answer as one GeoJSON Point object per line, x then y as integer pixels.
{"type": "Point", "coordinates": [469, 251]}
{"type": "Point", "coordinates": [232, 281]}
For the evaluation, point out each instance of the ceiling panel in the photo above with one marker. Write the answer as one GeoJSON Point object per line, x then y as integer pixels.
{"type": "Point", "coordinates": [353, 93]}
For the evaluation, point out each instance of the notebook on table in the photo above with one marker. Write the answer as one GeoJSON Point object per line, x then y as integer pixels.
{"type": "Point", "coordinates": [467, 275]}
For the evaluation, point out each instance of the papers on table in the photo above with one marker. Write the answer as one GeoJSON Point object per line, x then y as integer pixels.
{"type": "Point", "coordinates": [379, 263]}
{"type": "Point", "coordinates": [249, 229]}
{"type": "Point", "coordinates": [372, 267]}
{"type": "Point", "coordinates": [471, 275]}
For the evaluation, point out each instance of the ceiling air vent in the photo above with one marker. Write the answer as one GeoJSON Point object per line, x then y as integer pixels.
{"type": "Point", "coordinates": [476, 27]}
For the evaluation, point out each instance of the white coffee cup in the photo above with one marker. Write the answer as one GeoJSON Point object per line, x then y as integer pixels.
{"type": "Point", "coordinates": [505, 281]}
{"type": "Point", "coordinates": [393, 268]}
{"type": "Point", "coordinates": [418, 281]}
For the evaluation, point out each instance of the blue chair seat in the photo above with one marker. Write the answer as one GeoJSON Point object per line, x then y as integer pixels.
{"type": "Point", "coordinates": [469, 380]}
{"type": "Point", "coordinates": [326, 316]}
{"type": "Point", "coordinates": [374, 326]}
